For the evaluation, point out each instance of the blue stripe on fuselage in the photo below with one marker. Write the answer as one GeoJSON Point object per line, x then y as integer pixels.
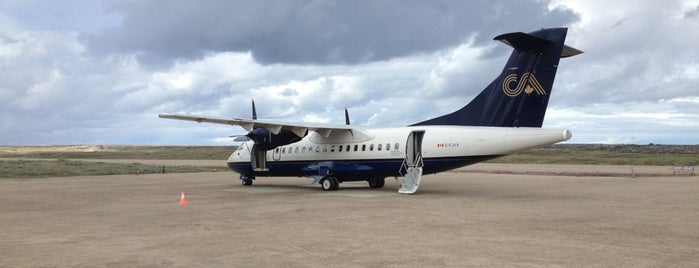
{"type": "Point", "coordinates": [355, 170]}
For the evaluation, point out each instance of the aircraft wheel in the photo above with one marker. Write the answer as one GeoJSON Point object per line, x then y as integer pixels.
{"type": "Point", "coordinates": [246, 180]}
{"type": "Point", "coordinates": [330, 183]}
{"type": "Point", "coordinates": [377, 182]}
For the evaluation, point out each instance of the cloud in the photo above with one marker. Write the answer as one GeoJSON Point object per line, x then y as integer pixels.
{"type": "Point", "coordinates": [692, 13]}
{"type": "Point", "coordinates": [317, 32]}
{"type": "Point", "coordinates": [391, 63]}
{"type": "Point", "coordinates": [49, 85]}
{"type": "Point", "coordinates": [629, 57]}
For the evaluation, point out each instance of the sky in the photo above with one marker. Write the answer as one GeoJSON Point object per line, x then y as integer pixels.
{"type": "Point", "coordinates": [100, 72]}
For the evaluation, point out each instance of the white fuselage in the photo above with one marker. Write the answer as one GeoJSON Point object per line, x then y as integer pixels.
{"type": "Point", "coordinates": [461, 145]}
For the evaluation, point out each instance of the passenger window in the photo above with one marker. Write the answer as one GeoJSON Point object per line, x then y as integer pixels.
{"type": "Point", "coordinates": [356, 147]}
{"type": "Point", "coordinates": [339, 148]}
{"type": "Point", "coordinates": [363, 147]}
{"type": "Point", "coordinates": [371, 147]}
{"type": "Point", "coordinates": [317, 149]}
{"type": "Point", "coordinates": [284, 150]}
{"type": "Point", "coordinates": [303, 150]}
{"type": "Point", "coordinates": [325, 149]}
{"type": "Point", "coordinates": [397, 146]}
{"type": "Point", "coordinates": [296, 150]}
{"type": "Point", "coordinates": [388, 146]}
{"type": "Point", "coordinates": [348, 148]}
{"type": "Point", "coordinates": [332, 148]}
{"type": "Point", "coordinates": [379, 147]}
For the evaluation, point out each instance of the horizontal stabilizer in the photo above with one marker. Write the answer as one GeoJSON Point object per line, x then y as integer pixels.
{"type": "Point", "coordinates": [569, 51]}
{"type": "Point", "coordinates": [524, 42]}
{"type": "Point", "coordinates": [527, 42]}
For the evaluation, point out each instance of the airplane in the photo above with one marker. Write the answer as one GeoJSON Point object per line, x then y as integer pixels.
{"type": "Point", "coordinates": [505, 118]}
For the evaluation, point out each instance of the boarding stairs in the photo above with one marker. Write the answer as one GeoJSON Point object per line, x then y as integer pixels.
{"type": "Point", "coordinates": [412, 165]}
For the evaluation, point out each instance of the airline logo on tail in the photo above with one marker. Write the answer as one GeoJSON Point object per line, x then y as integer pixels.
{"type": "Point", "coordinates": [528, 84]}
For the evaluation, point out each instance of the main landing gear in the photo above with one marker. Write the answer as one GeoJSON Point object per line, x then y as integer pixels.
{"type": "Point", "coordinates": [246, 179]}
{"type": "Point", "coordinates": [377, 182]}
{"type": "Point", "coordinates": [330, 183]}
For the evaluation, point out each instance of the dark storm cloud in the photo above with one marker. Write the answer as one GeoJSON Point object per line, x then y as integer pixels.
{"type": "Point", "coordinates": [692, 13]}
{"type": "Point", "coordinates": [99, 72]}
{"type": "Point", "coordinates": [321, 32]}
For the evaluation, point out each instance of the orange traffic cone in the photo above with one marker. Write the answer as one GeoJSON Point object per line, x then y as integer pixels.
{"type": "Point", "coordinates": [183, 201]}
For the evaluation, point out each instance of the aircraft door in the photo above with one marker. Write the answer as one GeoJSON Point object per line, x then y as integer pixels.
{"type": "Point", "coordinates": [413, 148]}
{"type": "Point", "coordinates": [258, 159]}
{"type": "Point", "coordinates": [413, 163]}
{"type": "Point", "coordinates": [277, 154]}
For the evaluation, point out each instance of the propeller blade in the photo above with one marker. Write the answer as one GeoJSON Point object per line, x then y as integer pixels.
{"type": "Point", "coordinates": [254, 111]}
{"type": "Point", "coordinates": [347, 120]}
{"type": "Point", "coordinates": [241, 138]}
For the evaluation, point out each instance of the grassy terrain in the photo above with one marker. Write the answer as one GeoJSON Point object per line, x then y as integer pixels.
{"type": "Point", "coordinates": [121, 152]}
{"type": "Point", "coordinates": [66, 168]}
{"type": "Point", "coordinates": [58, 165]}
{"type": "Point", "coordinates": [596, 154]}
{"type": "Point", "coordinates": [15, 167]}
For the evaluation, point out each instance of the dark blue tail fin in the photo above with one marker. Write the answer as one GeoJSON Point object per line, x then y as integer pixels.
{"type": "Point", "coordinates": [519, 96]}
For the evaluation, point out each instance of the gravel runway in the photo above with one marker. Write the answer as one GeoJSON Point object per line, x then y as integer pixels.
{"type": "Point", "coordinates": [457, 219]}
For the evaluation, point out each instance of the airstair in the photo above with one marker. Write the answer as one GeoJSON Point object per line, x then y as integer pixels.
{"type": "Point", "coordinates": [412, 164]}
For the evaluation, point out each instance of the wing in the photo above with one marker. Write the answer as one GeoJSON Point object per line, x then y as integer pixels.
{"type": "Point", "coordinates": [273, 126]}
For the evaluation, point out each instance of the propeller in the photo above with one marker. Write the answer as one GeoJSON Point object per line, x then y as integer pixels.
{"type": "Point", "coordinates": [259, 135]}
{"type": "Point", "coordinates": [264, 138]}
{"type": "Point", "coordinates": [347, 120]}
{"type": "Point", "coordinates": [247, 137]}
{"type": "Point", "coordinates": [239, 138]}
{"type": "Point", "coordinates": [254, 111]}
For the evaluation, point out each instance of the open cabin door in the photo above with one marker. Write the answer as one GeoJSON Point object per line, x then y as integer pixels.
{"type": "Point", "coordinates": [413, 149]}
{"type": "Point", "coordinates": [413, 162]}
{"type": "Point", "coordinates": [258, 159]}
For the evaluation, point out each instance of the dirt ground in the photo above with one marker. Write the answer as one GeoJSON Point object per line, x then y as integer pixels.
{"type": "Point", "coordinates": [456, 219]}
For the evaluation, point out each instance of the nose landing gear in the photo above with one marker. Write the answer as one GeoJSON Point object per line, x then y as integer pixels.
{"type": "Point", "coordinates": [246, 180]}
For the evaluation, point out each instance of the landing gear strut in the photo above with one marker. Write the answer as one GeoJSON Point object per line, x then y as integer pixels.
{"type": "Point", "coordinates": [330, 183]}
{"type": "Point", "coordinates": [246, 179]}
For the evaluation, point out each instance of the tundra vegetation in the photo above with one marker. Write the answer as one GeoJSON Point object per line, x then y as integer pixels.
{"type": "Point", "coordinates": [53, 161]}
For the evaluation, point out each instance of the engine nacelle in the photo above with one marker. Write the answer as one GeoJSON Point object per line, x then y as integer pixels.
{"type": "Point", "coordinates": [265, 140]}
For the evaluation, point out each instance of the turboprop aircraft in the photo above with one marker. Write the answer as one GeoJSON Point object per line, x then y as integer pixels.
{"type": "Point", "coordinates": [505, 118]}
